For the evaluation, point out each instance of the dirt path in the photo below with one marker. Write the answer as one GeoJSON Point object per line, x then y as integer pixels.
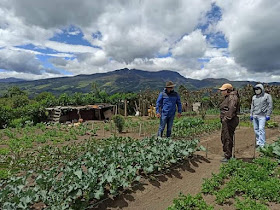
{"type": "Point", "coordinates": [159, 194]}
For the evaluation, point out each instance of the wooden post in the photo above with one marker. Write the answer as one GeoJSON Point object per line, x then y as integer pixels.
{"type": "Point", "coordinates": [140, 127]}
{"type": "Point", "coordinates": [125, 107]}
{"type": "Point", "coordinates": [103, 128]}
{"type": "Point", "coordinates": [143, 108]}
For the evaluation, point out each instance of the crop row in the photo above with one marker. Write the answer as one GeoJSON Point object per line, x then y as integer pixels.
{"type": "Point", "coordinates": [190, 127]}
{"type": "Point", "coordinates": [113, 166]}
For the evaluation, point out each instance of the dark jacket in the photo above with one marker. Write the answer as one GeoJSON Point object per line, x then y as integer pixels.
{"type": "Point", "coordinates": [230, 107]}
{"type": "Point", "coordinates": [166, 103]}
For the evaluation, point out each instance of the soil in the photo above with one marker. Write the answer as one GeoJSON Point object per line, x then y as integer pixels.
{"type": "Point", "coordinates": [188, 178]}
{"type": "Point", "coordinates": [159, 193]}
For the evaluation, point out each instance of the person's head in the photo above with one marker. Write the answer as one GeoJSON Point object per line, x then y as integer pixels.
{"type": "Point", "coordinates": [226, 89]}
{"type": "Point", "coordinates": [169, 86]}
{"type": "Point", "coordinates": [258, 89]}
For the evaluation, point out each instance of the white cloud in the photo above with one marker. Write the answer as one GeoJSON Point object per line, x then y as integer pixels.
{"type": "Point", "coordinates": [252, 29]}
{"type": "Point", "coordinates": [69, 48]}
{"type": "Point", "coordinates": [21, 61]}
{"type": "Point", "coordinates": [27, 76]}
{"type": "Point", "coordinates": [61, 55]}
{"type": "Point", "coordinates": [191, 46]}
{"type": "Point", "coordinates": [14, 32]}
{"type": "Point", "coordinates": [135, 34]}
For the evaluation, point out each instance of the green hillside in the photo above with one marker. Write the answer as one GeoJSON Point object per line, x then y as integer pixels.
{"type": "Point", "coordinates": [123, 80]}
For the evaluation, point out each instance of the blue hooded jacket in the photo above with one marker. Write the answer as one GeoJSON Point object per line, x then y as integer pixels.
{"type": "Point", "coordinates": [166, 103]}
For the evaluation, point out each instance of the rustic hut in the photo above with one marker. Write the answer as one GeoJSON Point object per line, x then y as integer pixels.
{"type": "Point", "coordinates": [63, 114]}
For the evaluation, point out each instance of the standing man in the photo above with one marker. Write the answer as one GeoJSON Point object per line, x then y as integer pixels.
{"type": "Point", "coordinates": [261, 109]}
{"type": "Point", "coordinates": [229, 119]}
{"type": "Point", "coordinates": [166, 108]}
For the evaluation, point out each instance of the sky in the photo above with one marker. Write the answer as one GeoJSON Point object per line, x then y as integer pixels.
{"type": "Point", "coordinates": [232, 39]}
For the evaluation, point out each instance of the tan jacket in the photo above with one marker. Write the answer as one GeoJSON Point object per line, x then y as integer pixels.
{"type": "Point", "coordinates": [230, 107]}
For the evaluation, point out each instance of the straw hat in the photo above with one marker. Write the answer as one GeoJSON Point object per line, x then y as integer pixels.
{"type": "Point", "coordinates": [169, 84]}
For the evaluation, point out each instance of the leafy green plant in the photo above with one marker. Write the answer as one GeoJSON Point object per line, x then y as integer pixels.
{"type": "Point", "coordinates": [272, 124]}
{"type": "Point", "coordinates": [255, 180]}
{"type": "Point", "coordinates": [4, 174]}
{"type": "Point", "coordinates": [249, 204]}
{"type": "Point", "coordinates": [4, 151]}
{"type": "Point", "coordinates": [271, 150]}
{"type": "Point", "coordinates": [190, 202]}
{"type": "Point", "coordinates": [112, 165]}
{"type": "Point", "coordinates": [119, 122]}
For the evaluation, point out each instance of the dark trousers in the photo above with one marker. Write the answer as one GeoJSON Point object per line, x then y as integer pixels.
{"type": "Point", "coordinates": [228, 129]}
{"type": "Point", "coordinates": [165, 120]}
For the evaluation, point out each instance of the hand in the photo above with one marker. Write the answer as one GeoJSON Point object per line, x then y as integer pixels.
{"type": "Point", "coordinates": [267, 118]}
{"type": "Point", "coordinates": [158, 115]}
{"type": "Point", "coordinates": [179, 115]}
{"type": "Point", "coordinates": [251, 118]}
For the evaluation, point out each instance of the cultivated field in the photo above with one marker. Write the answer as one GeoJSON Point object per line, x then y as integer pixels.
{"type": "Point", "coordinates": [91, 165]}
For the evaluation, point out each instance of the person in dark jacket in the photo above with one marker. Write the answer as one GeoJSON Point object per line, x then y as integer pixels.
{"type": "Point", "coordinates": [261, 109]}
{"type": "Point", "coordinates": [166, 108]}
{"type": "Point", "coordinates": [229, 109]}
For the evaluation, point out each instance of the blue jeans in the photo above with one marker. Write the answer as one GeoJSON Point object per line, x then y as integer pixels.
{"type": "Point", "coordinates": [163, 121]}
{"type": "Point", "coordinates": [259, 125]}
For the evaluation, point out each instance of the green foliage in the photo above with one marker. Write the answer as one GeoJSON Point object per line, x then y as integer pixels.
{"type": "Point", "coordinates": [19, 101]}
{"type": "Point", "coordinates": [119, 122]}
{"type": "Point", "coordinates": [190, 202]}
{"type": "Point", "coordinates": [272, 150]}
{"type": "Point", "coordinates": [255, 180]}
{"type": "Point", "coordinates": [113, 165]}
{"type": "Point", "coordinates": [20, 122]}
{"type": "Point", "coordinates": [4, 151]}
{"type": "Point", "coordinates": [6, 114]}
{"type": "Point", "coordinates": [14, 91]}
{"type": "Point", "coordinates": [272, 124]}
{"type": "Point", "coordinates": [190, 127]}
{"type": "Point", "coordinates": [4, 174]}
{"type": "Point", "coordinates": [249, 204]}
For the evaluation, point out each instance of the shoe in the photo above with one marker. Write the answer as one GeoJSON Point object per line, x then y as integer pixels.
{"type": "Point", "coordinates": [224, 160]}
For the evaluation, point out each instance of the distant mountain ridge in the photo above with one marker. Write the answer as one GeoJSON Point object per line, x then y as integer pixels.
{"type": "Point", "coordinates": [122, 80]}
{"type": "Point", "coordinates": [11, 79]}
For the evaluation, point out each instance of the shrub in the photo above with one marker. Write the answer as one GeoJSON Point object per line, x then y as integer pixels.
{"type": "Point", "coordinates": [119, 122]}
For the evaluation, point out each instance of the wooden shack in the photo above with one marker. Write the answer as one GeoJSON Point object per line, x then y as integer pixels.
{"type": "Point", "coordinates": [64, 114]}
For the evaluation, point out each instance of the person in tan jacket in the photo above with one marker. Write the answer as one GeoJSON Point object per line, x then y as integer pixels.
{"type": "Point", "coordinates": [229, 109]}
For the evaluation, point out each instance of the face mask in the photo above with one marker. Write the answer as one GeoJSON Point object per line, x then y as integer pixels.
{"type": "Point", "coordinates": [258, 91]}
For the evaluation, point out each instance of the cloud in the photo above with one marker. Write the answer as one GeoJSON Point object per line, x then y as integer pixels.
{"type": "Point", "coordinates": [191, 46]}
{"type": "Point", "coordinates": [28, 76]}
{"type": "Point", "coordinates": [68, 48]}
{"type": "Point", "coordinates": [202, 38]}
{"type": "Point", "coordinates": [86, 63]}
{"type": "Point", "coordinates": [24, 62]}
{"type": "Point", "coordinates": [252, 29]}
{"type": "Point", "coordinates": [14, 32]}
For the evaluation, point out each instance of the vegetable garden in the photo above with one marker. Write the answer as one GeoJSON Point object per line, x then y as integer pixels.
{"type": "Point", "coordinates": [56, 166]}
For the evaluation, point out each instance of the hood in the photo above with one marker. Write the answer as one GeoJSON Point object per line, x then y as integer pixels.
{"type": "Point", "coordinates": [261, 87]}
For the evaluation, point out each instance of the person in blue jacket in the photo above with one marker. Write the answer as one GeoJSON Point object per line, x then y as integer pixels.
{"type": "Point", "coordinates": [166, 108]}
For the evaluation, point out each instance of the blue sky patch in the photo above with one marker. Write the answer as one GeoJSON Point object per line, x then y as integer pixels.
{"type": "Point", "coordinates": [72, 35]}
{"type": "Point", "coordinates": [38, 49]}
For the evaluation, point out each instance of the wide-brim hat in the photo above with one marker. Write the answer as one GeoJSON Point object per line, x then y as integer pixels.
{"type": "Point", "coordinates": [169, 84]}
{"type": "Point", "coordinates": [226, 86]}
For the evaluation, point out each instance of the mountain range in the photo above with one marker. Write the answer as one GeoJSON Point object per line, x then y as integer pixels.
{"type": "Point", "coordinates": [122, 80]}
